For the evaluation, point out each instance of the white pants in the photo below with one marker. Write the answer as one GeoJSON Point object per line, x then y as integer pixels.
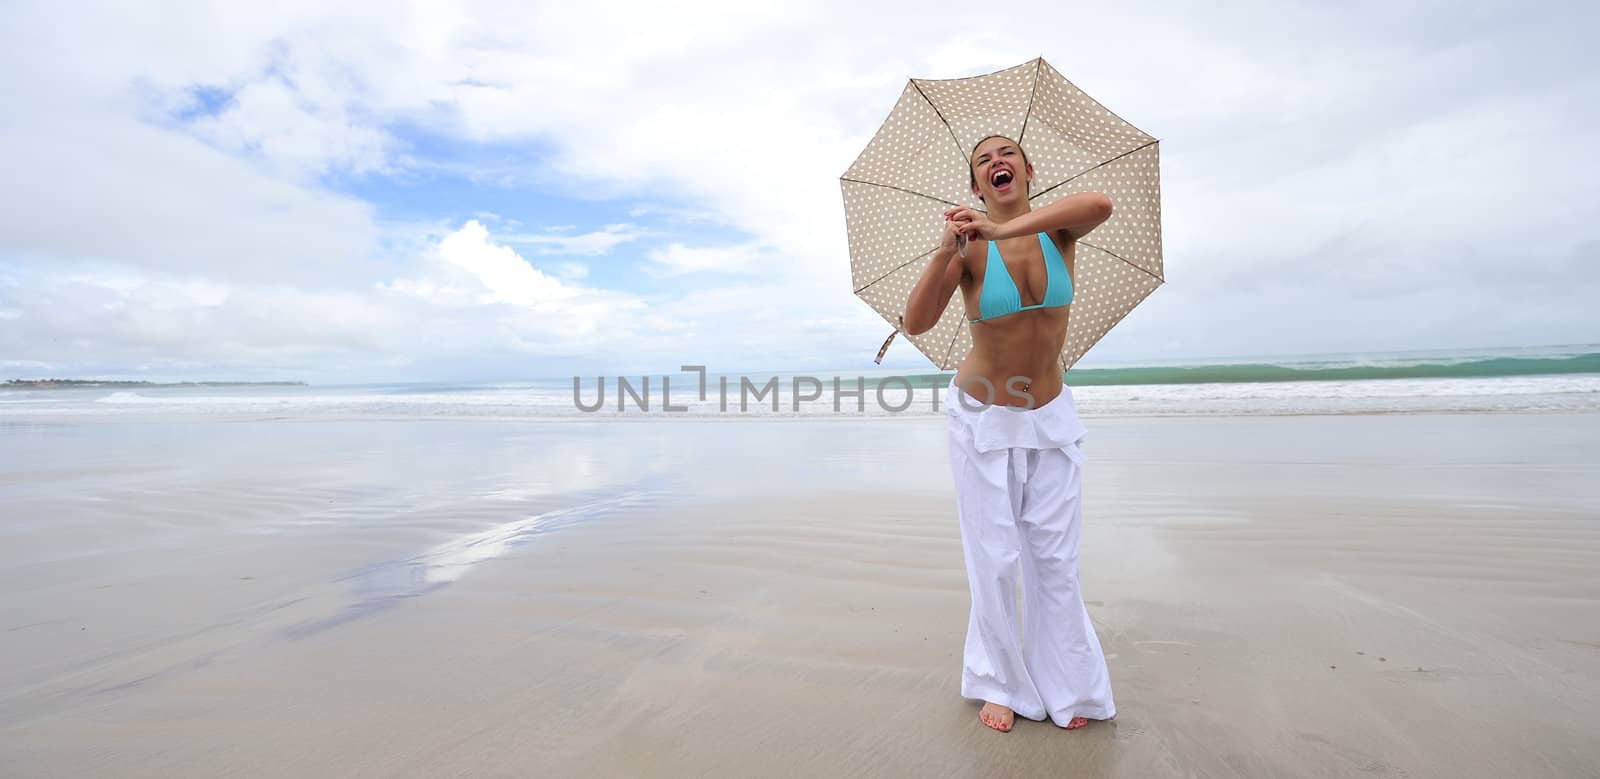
{"type": "Point", "coordinates": [1017, 475]}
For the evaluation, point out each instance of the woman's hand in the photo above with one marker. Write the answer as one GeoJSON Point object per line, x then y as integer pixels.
{"type": "Point", "coordinates": [972, 224]}
{"type": "Point", "coordinates": [948, 241]}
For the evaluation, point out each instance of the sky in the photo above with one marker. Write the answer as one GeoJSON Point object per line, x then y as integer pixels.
{"type": "Point", "coordinates": [498, 191]}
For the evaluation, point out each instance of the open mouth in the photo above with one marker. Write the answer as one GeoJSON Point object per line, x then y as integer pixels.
{"type": "Point", "coordinates": [1000, 179]}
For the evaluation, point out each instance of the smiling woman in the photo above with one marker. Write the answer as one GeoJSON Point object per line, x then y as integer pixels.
{"type": "Point", "coordinates": [1001, 176]}
{"type": "Point", "coordinates": [1018, 297]}
{"type": "Point", "coordinates": [1017, 472]}
{"type": "Point", "coordinates": [1017, 259]}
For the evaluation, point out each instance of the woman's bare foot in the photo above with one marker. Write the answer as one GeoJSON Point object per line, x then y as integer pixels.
{"type": "Point", "coordinates": [1077, 722]}
{"type": "Point", "coordinates": [996, 716]}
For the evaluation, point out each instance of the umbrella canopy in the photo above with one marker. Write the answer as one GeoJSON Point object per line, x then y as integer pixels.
{"type": "Point", "coordinates": [896, 193]}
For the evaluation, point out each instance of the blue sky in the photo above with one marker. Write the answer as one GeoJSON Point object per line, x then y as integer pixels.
{"type": "Point", "coordinates": [498, 191]}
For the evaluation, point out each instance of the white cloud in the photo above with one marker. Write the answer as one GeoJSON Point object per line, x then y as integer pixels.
{"type": "Point", "coordinates": [505, 276]}
{"type": "Point", "coordinates": [463, 294]}
{"type": "Point", "coordinates": [104, 315]}
{"type": "Point", "coordinates": [1404, 156]}
{"type": "Point", "coordinates": [676, 259]}
{"type": "Point", "coordinates": [593, 243]}
{"type": "Point", "coordinates": [106, 188]}
{"type": "Point", "coordinates": [272, 121]}
{"type": "Point", "coordinates": [572, 271]}
{"type": "Point", "coordinates": [470, 273]}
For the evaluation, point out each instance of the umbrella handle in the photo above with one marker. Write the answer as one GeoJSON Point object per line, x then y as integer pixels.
{"type": "Point", "coordinates": [961, 246]}
{"type": "Point", "coordinates": [882, 349]}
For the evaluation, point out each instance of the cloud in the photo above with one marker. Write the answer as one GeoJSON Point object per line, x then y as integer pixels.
{"type": "Point", "coordinates": [504, 276]}
{"type": "Point", "coordinates": [677, 259]}
{"type": "Point", "coordinates": [104, 316]}
{"type": "Point", "coordinates": [469, 272]}
{"type": "Point", "coordinates": [572, 271]}
{"type": "Point", "coordinates": [273, 122]}
{"type": "Point", "coordinates": [1419, 159]}
{"type": "Point", "coordinates": [98, 188]}
{"type": "Point", "coordinates": [581, 244]}
{"type": "Point", "coordinates": [464, 293]}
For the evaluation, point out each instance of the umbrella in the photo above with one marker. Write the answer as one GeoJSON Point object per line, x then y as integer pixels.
{"type": "Point", "coordinates": [915, 167]}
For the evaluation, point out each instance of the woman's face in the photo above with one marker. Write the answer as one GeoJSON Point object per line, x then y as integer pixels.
{"type": "Point", "coordinates": [999, 172]}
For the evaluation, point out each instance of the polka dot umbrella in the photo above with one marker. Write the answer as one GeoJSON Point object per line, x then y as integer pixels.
{"type": "Point", "coordinates": [896, 193]}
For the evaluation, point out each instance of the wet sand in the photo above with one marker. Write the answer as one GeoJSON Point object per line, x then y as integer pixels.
{"type": "Point", "coordinates": [1400, 595]}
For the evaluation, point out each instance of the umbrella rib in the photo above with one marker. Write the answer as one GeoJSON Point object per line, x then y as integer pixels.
{"type": "Point", "coordinates": [1033, 94]}
{"type": "Point", "coordinates": [940, 114]}
{"type": "Point", "coordinates": [1114, 324]}
{"type": "Point", "coordinates": [902, 265]}
{"type": "Point", "coordinates": [1095, 168]}
{"type": "Point", "coordinates": [898, 189]}
{"type": "Point", "coordinates": [1124, 259]}
{"type": "Point", "coordinates": [1098, 103]}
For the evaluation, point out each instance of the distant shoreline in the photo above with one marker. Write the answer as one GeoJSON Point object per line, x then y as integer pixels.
{"type": "Point", "coordinates": [90, 383]}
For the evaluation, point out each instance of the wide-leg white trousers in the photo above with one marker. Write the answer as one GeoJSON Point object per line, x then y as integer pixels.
{"type": "Point", "coordinates": [1017, 474]}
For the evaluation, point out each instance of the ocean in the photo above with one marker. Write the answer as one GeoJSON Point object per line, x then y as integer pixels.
{"type": "Point", "coordinates": [1522, 380]}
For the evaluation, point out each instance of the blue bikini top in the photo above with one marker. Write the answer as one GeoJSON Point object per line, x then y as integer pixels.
{"type": "Point", "coordinates": [1002, 298]}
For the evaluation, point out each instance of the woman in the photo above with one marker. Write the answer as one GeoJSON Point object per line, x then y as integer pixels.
{"type": "Point", "coordinates": [1014, 435]}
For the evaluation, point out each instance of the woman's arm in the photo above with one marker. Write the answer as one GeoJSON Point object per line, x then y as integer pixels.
{"type": "Point", "coordinates": [939, 281]}
{"type": "Point", "coordinates": [1074, 215]}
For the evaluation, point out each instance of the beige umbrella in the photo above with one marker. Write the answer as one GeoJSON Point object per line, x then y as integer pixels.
{"type": "Point", "coordinates": [915, 168]}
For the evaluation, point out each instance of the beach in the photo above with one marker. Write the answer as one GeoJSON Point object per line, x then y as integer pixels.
{"type": "Point", "coordinates": [422, 390]}
{"type": "Point", "coordinates": [1312, 595]}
